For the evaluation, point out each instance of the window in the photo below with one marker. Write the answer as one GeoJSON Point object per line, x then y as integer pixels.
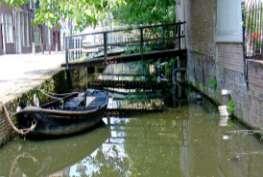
{"type": "Point", "coordinates": [25, 29]}
{"type": "Point", "coordinates": [8, 27]}
{"type": "Point", "coordinates": [37, 36]}
{"type": "Point", "coordinates": [1, 37]}
{"type": "Point", "coordinates": [31, 4]}
{"type": "Point", "coordinates": [1, 32]}
{"type": "Point", "coordinates": [22, 28]}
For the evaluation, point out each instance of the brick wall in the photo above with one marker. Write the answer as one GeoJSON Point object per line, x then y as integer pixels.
{"type": "Point", "coordinates": [5, 130]}
{"type": "Point", "coordinates": [214, 66]}
{"type": "Point", "coordinates": [230, 56]}
{"type": "Point", "coordinates": [255, 84]}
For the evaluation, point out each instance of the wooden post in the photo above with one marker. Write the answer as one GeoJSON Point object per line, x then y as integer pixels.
{"type": "Point", "coordinates": [105, 39]}
{"type": "Point", "coordinates": [163, 36]}
{"type": "Point", "coordinates": [81, 41]}
{"type": "Point", "coordinates": [68, 75]}
{"type": "Point", "coordinates": [141, 42]}
{"type": "Point", "coordinates": [66, 52]}
{"type": "Point", "coordinates": [179, 36]}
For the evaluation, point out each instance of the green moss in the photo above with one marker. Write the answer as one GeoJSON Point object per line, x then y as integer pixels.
{"type": "Point", "coordinates": [231, 106]}
{"type": "Point", "coordinates": [212, 83]}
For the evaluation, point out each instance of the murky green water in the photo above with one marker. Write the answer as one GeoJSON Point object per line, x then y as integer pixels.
{"type": "Point", "coordinates": [181, 142]}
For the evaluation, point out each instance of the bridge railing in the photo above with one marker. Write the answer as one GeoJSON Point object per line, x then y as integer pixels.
{"type": "Point", "coordinates": [125, 41]}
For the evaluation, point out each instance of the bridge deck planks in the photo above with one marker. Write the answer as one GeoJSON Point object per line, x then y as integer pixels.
{"type": "Point", "coordinates": [162, 54]}
{"type": "Point", "coordinates": [99, 84]}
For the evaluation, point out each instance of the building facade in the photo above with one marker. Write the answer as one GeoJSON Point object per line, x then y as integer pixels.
{"type": "Point", "coordinates": [215, 56]}
{"type": "Point", "coordinates": [19, 35]}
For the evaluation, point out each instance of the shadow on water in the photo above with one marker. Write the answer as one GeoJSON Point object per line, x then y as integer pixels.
{"type": "Point", "coordinates": [56, 137]}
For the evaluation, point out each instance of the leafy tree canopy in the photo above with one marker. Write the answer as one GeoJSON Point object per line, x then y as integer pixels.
{"type": "Point", "coordinates": [88, 12]}
{"type": "Point", "coordinates": [80, 12]}
{"type": "Point", "coordinates": [145, 11]}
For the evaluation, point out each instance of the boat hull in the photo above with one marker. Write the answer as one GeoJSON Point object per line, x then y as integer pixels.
{"type": "Point", "coordinates": [50, 121]}
{"type": "Point", "coordinates": [48, 124]}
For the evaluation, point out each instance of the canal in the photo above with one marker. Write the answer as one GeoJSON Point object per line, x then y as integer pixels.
{"type": "Point", "coordinates": [185, 141]}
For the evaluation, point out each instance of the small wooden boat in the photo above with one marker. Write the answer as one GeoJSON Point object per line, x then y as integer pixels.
{"type": "Point", "coordinates": [68, 115]}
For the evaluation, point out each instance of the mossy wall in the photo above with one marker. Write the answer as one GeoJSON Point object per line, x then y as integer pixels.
{"type": "Point", "coordinates": [57, 84]}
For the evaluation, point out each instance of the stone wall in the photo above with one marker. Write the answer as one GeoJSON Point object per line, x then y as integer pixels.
{"type": "Point", "coordinates": [231, 76]}
{"type": "Point", "coordinates": [81, 76]}
{"type": "Point", "coordinates": [201, 73]}
{"type": "Point", "coordinates": [201, 59]}
{"type": "Point", "coordinates": [56, 84]}
{"type": "Point", "coordinates": [255, 97]}
{"type": "Point", "coordinates": [201, 31]}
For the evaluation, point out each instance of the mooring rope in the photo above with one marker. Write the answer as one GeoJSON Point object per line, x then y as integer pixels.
{"type": "Point", "coordinates": [57, 94]}
{"type": "Point", "coordinates": [50, 95]}
{"type": "Point", "coordinates": [11, 123]}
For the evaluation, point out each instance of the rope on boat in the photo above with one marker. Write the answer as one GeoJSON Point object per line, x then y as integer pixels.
{"type": "Point", "coordinates": [57, 95]}
{"type": "Point", "coordinates": [11, 123]}
{"type": "Point", "coordinates": [50, 95]}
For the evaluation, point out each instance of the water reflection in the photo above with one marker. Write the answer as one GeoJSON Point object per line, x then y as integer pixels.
{"type": "Point", "coordinates": [182, 142]}
{"type": "Point", "coordinates": [33, 159]}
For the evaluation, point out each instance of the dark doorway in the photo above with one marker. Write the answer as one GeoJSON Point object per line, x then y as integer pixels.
{"type": "Point", "coordinates": [56, 40]}
{"type": "Point", "coordinates": [1, 38]}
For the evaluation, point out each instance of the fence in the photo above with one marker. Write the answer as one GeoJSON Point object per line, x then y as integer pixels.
{"type": "Point", "coordinates": [125, 41]}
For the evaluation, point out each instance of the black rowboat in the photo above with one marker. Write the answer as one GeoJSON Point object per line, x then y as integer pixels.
{"type": "Point", "coordinates": [71, 114]}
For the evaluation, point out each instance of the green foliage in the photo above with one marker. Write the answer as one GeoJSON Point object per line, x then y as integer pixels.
{"type": "Point", "coordinates": [212, 83]}
{"type": "Point", "coordinates": [80, 12]}
{"type": "Point", "coordinates": [88, 12]}
{"type": "Point", "coordinates": [145, 11]}
{"type": "Point", "coordinates": [132, 49]}
{"type": "Point", "coordinates": [137, 49]}
{"type": "Point", "coordinates": [15, 2]}
{"type": "Point", "coordinates": [231, 106]}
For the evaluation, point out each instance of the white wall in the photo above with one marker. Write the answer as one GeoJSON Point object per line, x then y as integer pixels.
{"type": "Point", "coordinates": [229, 21]}
{"type": "Point", "coordinates": [180, 10]}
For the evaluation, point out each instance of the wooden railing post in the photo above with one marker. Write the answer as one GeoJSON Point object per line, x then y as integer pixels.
{"type": "Point", "coordinates": [66, 51]}
{"type": "Point", "coordinates": [70, 47]}
{"type": "Point", "coordinates": [163, 36]}
{"type": "Point", "coordinates": [141, 42]}
{"type": "Point", "coordinates": [105, 45]}
{"type": "Point", "coordinates": [179, 36]}
{"type": "Point", "coordinates": [81, 47]}
{"type": "Point", "coordinates": [68, 75]}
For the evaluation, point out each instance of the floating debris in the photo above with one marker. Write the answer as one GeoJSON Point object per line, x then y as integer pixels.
{"type": "Point", "coordinates": [225, 137]}
{"type": "Point", "coordinates": [244, 131]}
{"type": "Point", "coordinates": [239, 156]}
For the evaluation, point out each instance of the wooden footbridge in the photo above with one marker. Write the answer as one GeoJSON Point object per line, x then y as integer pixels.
{"type": "Point", "coordinates": [126, 44]}
{"type": "Point", "coordinates": [160, 42]}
